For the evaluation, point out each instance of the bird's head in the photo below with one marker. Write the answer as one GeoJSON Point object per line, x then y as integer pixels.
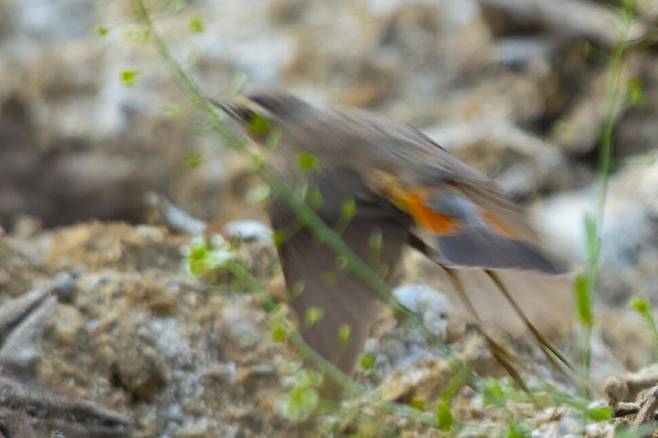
{"type": "Point", "coordinates": [260, 114]}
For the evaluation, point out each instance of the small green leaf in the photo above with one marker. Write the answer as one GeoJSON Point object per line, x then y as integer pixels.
{"type": "Point", "coordinates": [417, 404]}
{"type": "Point", "coordinates": [314, 198]}
{"type": "Point", "coordinates": [347, 212]}
{"type": "Point", "coordinates": [303, 399]}
{"type": "Point", "coordinates": [602, 413]}
{"type": "Point", "coordinates": [196, 25]}
{"type": "Point", "coordinates": [641, 306]}
{"type": "Point", "coordinates": [201, 258]}
{"type": "Point", "coordinates": [645, 310]}
{"type": "Point", "coordinates": [279, 237]}
{"type": "Point", "coordinates": [193, 161]}
{"type": "Point", "coordinates": [299, 404]}
{"type": "Point", "coordinates": [307, 161]}
{"type": "Point", "coordinates": [367, 361]}
{"type": "Point", "coordinates": [279, 333]}
{"type": "Point", "coordinates": [344, 334]}
{"type": "Point", "coordinates": [196, 260]}
{"type": "Point", "coordinates": [342, 262]}
{"type": "Point", "coordinates": [258, 125]}
{"type": "Point", "coordinates": [636, 96]}
{"type": "Point", "coordinates": [515, 431]}
{"type": "Point", "coordinates": [348, 209]}
{"type": "Point", "coordinates": [583, 299]}
{"type": "Point", "coordinates": [128, 77]}
{"type": "Point", "coordinates": [313, 315]}
{"type": "Point", "coordinates": [102, 30]}
{"type": "Point", "coordinates": [444, 418]}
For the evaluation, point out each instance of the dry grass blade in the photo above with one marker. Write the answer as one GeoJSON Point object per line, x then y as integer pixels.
{"type": "Point", "coordinates": [506, 360]}
{"type": "Point", "coordinates": [550, 351]}
{"type": "Point", "coordinates": [504, 357]}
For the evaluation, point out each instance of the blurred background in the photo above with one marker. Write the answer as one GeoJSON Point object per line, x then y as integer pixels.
{"type": "Point", "coordinates": [91, 118]}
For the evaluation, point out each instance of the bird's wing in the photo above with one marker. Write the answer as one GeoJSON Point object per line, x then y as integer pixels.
{"type": "Point", "coordinates": [464, 221]}
{"type": "Point", "coordinates": [461, 216]}
{"type": "Point", "coordinates": [316, 281]}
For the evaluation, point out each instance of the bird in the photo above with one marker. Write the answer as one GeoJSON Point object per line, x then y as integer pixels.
{"type": "Point", "coordinates": [382, 185]}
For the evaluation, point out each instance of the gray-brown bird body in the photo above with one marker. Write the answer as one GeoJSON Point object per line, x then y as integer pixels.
{"type": "Point", "coordinates": [403, 184]}
{"type": "Point", "coordinates": [311, 269]}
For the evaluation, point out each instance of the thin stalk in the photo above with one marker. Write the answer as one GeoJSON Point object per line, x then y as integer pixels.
{"type": "Point", "coordinates": [604, 166]}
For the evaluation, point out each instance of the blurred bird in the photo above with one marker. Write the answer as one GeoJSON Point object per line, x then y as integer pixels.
{"type": "Point", "coordinates": [406, 189]}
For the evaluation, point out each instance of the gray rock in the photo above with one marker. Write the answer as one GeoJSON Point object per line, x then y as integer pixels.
{"type": "Point", "coordinates": [249, 229]}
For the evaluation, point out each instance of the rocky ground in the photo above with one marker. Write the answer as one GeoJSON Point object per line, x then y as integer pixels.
{"type": "Point", "coordinates": [91, 121]}
{"type": "Point", "coordinates": [174, 356]}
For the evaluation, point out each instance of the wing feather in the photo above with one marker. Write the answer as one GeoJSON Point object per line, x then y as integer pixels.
{"type": "Point", "coordinates": [469, 224]}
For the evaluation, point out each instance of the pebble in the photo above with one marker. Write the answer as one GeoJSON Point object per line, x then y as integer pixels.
{"type": "Point", "coordinates": [433, 305]}
{"type": "Point", "coordinates": [242, 324]}
{"type": "Point", "coordinates": [250, 230]}
{"type": "Point", "coordinates": [64, 285]}
{"type": "Point", "coordinates": [67, 322]}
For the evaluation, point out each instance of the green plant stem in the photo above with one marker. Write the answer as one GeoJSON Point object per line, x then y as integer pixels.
{"type": "Point", "coordinates": [604, 167]}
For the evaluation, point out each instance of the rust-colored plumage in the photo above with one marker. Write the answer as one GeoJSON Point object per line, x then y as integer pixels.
{"type": "Point", "coordinates": [406, 188]}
